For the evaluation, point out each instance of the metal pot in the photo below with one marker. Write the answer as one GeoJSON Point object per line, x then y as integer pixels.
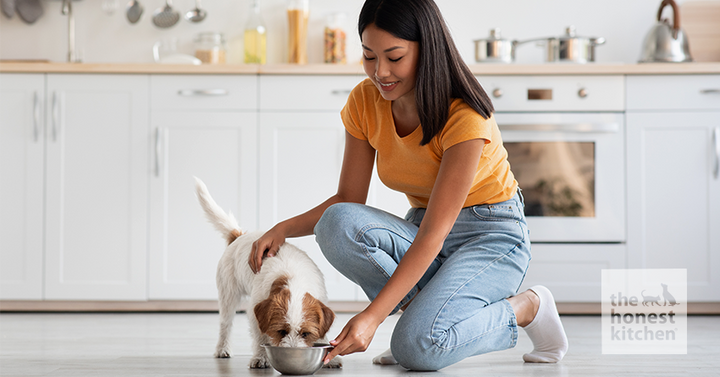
{"type": "Point", "coordinates": [495, 49]}
{"type": "Point", "coordinates": [666, 43]}
{"type": "Point", "coordinates": [571, 48]}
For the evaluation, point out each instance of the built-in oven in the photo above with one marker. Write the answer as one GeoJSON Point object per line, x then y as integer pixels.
{"type": "Point", "coordinates": [565, 143]}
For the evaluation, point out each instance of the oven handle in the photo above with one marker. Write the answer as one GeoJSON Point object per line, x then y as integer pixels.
{"type": "Point", "coordinates": [563, 127]}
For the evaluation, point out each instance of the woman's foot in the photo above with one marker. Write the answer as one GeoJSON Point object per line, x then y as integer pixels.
{"type": "Point", "coordinates": [385, 358]}
{"type": "Point", "coordinates": [540, 318]}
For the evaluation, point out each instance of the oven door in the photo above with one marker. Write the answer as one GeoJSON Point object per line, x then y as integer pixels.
{"type": "Point", "coordinates": [570, 167]}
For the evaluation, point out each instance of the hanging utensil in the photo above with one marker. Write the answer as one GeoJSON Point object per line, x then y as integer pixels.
{"type": "Point", "coordinates": [197, 14]}
{"type": "Point", "coordinates": [29, 10]}
{"type": "Point", "coordinates": [166, 16]}
{"type": "Point", "coordinates": [8, 8]}
{"type": "Point", "coordinates": [134, 11]}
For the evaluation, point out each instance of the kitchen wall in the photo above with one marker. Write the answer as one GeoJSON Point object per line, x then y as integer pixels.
{"type": "Point", "coordinates": [103, 37]}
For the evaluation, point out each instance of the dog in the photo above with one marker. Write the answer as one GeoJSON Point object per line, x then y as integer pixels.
{"type": "Point", "coordinates": [667, 296]}
{"type": "Point", "coordinates": [287, 296]}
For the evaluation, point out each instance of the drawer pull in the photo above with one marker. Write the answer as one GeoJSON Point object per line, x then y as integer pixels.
{"type": "Point", "coordinates": [157, 151]}
{"type": "Point", "coordinates": [710, 91]}
{"type": "Point", "coordinates": [562, 127]}
{"type": "Point", "coordinates": [341, 92]}
{"type": "Point", "coordinates": [36, 117]}
{"type": "Point", "coordinates": [55, 116]}
{"type": "Point", "coordinates": [202, 92]}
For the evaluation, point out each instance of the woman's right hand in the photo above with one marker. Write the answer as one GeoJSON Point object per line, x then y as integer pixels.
{"type": "Point", "coordinates": [267, 245]}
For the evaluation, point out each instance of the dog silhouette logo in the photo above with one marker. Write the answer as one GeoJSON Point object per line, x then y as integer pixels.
{"type": "Point", "coordinates": [667, 296]}
{"type": "Point", "coordinates": [668, 299]}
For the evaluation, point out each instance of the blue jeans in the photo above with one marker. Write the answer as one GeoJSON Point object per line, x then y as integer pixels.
{"type": "Point", "coordinates": [459, 306]}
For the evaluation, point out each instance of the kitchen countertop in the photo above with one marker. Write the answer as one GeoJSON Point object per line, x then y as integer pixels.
{"type": "Point", "coordinates": [350, 69]}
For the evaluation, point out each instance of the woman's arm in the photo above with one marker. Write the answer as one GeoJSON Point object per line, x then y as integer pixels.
{"type": "Point", "coordinates": [355, 175]}
{"type": "Point", "coordinates": [457, 171]}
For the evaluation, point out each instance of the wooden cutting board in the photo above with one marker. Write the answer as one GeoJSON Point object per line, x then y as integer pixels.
{"type": "Point", "coordinates": [701, 21]}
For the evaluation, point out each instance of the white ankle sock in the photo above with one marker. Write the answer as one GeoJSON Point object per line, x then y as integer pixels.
{"type": "Point", "coordinates": [385, 358]}
{"type": "Point", "coordinates": [546, 331]}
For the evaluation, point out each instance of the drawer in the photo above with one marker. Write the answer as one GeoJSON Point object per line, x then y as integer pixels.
{"type": "Point", "coordinates": [555, 93]}
{"type": "Point", "coordinates": [203, 92]}
{"type": "Point", "coordinates": [300, 93]}
{"type": "Point", "coordinates": [673, 92]}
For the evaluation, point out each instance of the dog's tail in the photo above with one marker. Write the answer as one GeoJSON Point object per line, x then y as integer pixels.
{"type": "Point", "coordinates": [225, 223]}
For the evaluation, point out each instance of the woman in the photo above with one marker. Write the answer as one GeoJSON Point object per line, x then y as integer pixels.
{"type": "Point", "coordinates": [455, 263]}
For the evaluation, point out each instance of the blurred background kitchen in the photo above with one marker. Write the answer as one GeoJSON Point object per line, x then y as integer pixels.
{"type": "Point", "coordinates": [105, 35]}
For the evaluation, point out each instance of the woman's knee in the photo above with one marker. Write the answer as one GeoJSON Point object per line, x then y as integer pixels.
{"type": "Point", "coordinates": [414, 348]}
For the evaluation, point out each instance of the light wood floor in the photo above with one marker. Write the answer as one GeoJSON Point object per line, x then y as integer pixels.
{"type": "Point", "coordinates": [176, 344]}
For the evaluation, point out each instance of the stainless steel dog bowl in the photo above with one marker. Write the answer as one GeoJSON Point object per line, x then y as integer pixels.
{"type": "Point", "coordinates": [297, 360]}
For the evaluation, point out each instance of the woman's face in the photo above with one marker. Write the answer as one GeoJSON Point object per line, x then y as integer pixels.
{"type": "Point", "coordinates": [390, 62]}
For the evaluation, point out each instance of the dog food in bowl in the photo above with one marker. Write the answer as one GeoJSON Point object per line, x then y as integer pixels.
{"type": "Point", "coordinates": [297, 360]}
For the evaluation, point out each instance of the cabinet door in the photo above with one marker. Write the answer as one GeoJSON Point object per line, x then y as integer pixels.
{"type": "Point", "coordinates": [674, 196]}
{"type": "Point", "coordinates": [96, 195]}
{"type": "Point", "coordinates": [21, 185]}
{"type": "Point", "coordinates": [220, 148]}
{"type": "Point", "coordinates": [300, 160]}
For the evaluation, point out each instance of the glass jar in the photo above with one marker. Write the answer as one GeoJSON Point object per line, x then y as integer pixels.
{"type": "Point", "coordinates": [335, 39]}
{"type": "Point", "coordinates": [298, 12]}
{"type": "Point", "coordinates": [255, 40]}
{"type": "Point", "coordinates": [210, 48]}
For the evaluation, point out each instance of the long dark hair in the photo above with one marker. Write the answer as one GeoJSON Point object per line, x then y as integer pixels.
{"type": "Point", "coordinates": [442, 75]}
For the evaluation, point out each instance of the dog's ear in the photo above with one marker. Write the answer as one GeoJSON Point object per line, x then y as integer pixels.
{"type": "Point", "coordinates": [328, 317]}
{"type": "Point", "coordinates": [262, 314]}
{"type": "Point", "coordinates": [273, 308]}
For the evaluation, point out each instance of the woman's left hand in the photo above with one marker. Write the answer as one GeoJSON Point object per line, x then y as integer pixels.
{"type": "Point", "coordinates": [355, 336]}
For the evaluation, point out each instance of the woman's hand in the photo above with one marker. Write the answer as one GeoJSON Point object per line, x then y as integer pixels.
{"type": "Point", "coordinates": [355, 336]}
{"type": "Point", "coordinates": [267, 245]}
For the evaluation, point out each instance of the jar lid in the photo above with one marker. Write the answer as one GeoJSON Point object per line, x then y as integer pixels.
{"type": "Point", "coordinates": [210, 37]}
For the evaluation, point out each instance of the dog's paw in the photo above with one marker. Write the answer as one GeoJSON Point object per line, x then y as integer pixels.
{"type": "Point", "coordinates": [259, 362]}
{"type": "Point", "coordinates": [223, 353]}
{"type": "Point", "coordinates": [336, 362]}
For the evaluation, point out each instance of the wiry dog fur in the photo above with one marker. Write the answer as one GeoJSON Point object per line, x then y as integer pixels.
{"type": "Point", "coordinates": [286, 296]}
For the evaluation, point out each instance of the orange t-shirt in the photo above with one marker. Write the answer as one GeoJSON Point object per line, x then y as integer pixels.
{"type": "Point", "coordinates": [403, 165]}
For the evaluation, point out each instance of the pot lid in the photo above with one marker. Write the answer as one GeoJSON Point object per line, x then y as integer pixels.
{"type": "Point", "coordinates": [495, 35]}
{"type": "Point", "coordinates": [571, 33]}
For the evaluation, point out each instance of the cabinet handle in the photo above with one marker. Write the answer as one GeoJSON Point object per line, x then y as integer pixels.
{"type": "Point", "coordinates": [36, 116]}
{"type": "Point", "coordinates": [202, 92]}
{"type": "Point", "coordinates": [341, 92]}
{"type": "Point", "coordinates": [710, 91]}
{"type": "Point", "coordinates": [157, 152]}
{"type": "Point", "coordinates": [55, 116]}
{"type": "Point", "coordinates": [561, 127]}
{"type": "Point", "coordinates": [716, 137]}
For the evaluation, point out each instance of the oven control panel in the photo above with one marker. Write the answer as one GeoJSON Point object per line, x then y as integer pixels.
{"type": "Point", "coordinates": [555, 93]}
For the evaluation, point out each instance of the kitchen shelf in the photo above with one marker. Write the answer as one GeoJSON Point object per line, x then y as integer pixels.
{"type": "Point", "coordinates": [352, 69]}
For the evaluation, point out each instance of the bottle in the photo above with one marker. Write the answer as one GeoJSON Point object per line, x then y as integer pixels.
{"type": "Point", "coordinates": [298, 13]}
{"type": "Point", "coordinates": [335, 39]}
{"type": "Point", "coordinates": [255, 37]}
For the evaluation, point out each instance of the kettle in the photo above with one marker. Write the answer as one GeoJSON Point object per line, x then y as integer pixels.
{"type": "Point", "coordinates": [665, 42]}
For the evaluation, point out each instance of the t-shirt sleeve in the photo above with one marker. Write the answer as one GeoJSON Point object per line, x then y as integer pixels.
{"type": "Point", "coordinates": [466, 124]}
{"type": "Point", "coordinates": [351, 114]}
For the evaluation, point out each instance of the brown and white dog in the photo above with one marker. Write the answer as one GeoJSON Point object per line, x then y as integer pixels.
{"type": "Point", "coordinates": [286, 296]}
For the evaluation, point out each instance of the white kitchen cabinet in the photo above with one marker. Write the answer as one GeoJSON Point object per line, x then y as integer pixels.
{"type": "Point", "coordinates": [203, 126]}
{"type": "Point", "coordinates": [300, 161]}
{"type": "Point", "coordinates": [96, 187]}
{"type": "Point", "coordinates": [673, 183]}
{"type": "Point", "coordinates": [22, 165]}
{"type": "Point", "coordinates": [302, 141]}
